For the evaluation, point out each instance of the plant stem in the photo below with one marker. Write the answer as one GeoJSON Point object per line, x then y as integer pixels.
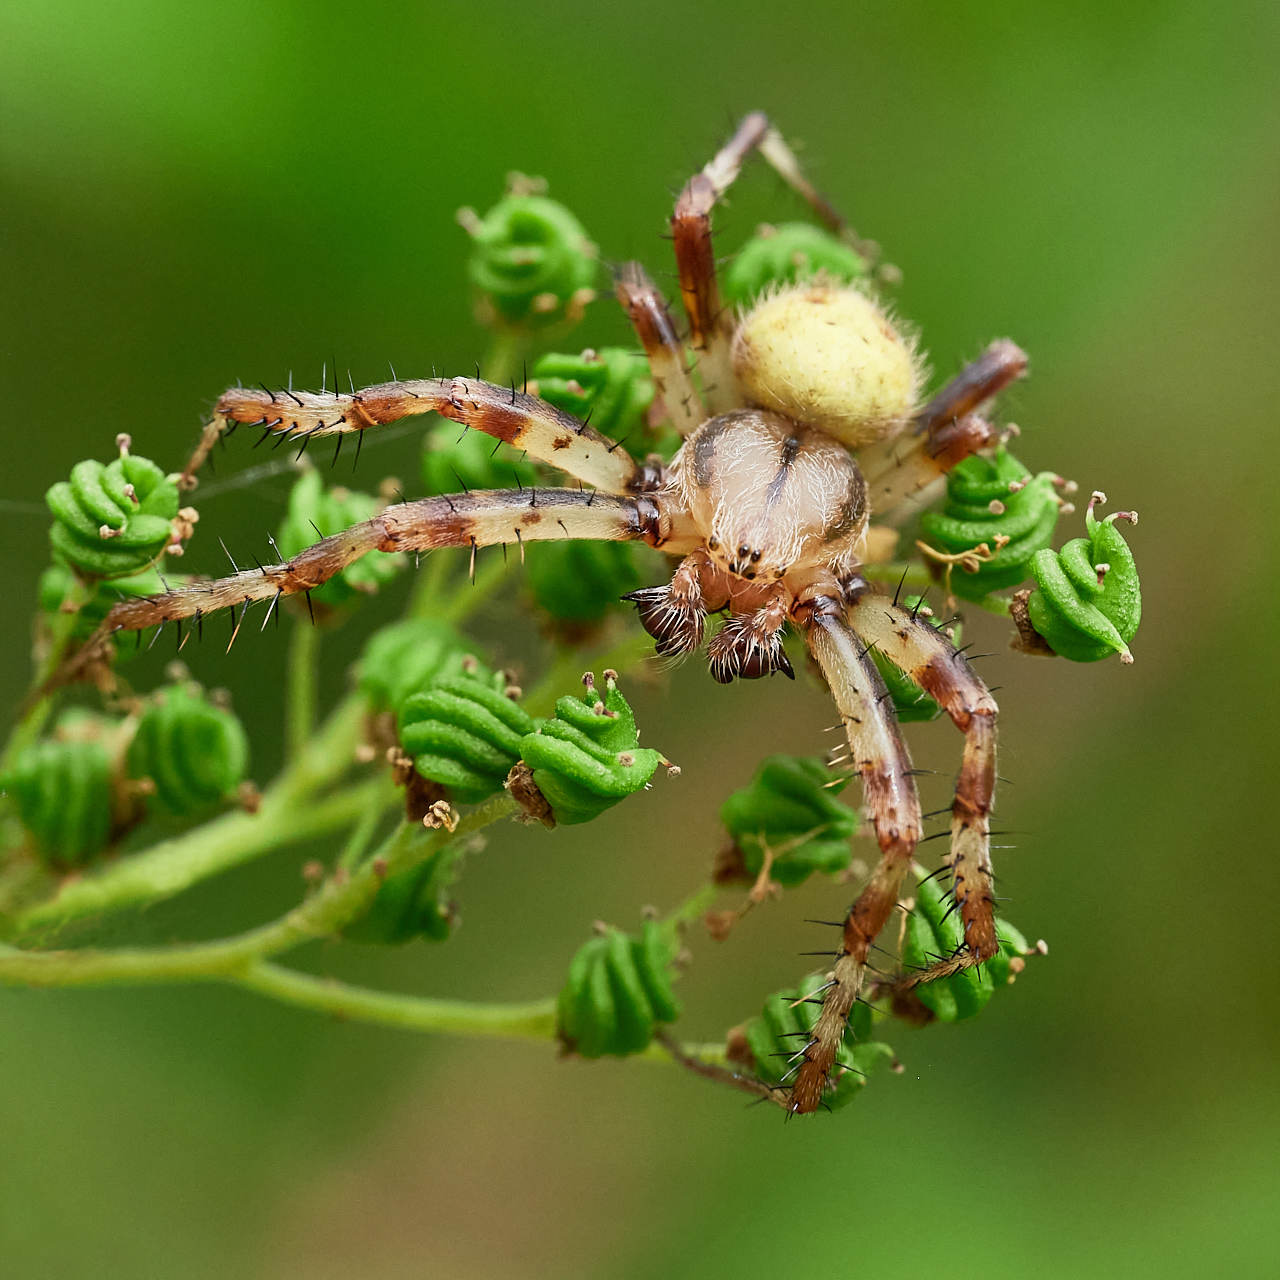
{"type": "Point", "coordinates": [303, 687]}
{"type": "Point", "coordinates": [429, 591]}
{"type": "Point", "coordinates": [908, 573]}
{"type": "Point", "coordinates": [341, 899]}
{"type": "Point", "coordinates": [534, 1020]}
{"type": "Point", "coordinates": [170, 867]}
{"type": "Point", "coordinates": [287, 813]}
{"type": "Point", "coordinates": [358, 840]}
{"type": "Point", "coordinates": [507, 352]}
{"type": "Point", "coordinates": [469, 595]}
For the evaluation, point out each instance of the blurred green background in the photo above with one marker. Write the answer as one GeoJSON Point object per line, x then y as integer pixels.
{"type": "Point", "coordinates": [195, 193]}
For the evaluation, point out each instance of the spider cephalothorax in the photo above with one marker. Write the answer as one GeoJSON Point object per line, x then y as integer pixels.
{"type": "Point", "coordinates": [805, 440]}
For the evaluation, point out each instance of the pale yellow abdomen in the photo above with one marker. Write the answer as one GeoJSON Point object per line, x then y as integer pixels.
{"type": "Point", "coordinates": [830, 358]}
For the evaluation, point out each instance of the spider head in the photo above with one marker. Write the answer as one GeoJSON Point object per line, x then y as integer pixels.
{"type": "Point", "coordinates": [770, 496]}
{"type": "Point", "coordinates": [831, 358]}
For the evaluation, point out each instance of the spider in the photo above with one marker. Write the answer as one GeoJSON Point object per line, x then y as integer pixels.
{"type": "Point", "coordinates": [805, 420]}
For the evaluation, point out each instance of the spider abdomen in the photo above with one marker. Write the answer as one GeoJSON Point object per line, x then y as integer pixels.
{"type": "Point", "coordinates": [770, 496]}
{"type": "Point", "coordinates": [830, 358]}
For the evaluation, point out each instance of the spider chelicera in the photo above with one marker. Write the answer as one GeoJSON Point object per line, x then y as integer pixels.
{"type": "Point", "coordinates": [804, 422]}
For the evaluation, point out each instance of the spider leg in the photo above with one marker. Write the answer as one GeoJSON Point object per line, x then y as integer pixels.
{"type": "Point", "coordinates": [521, 420]}
{"type": "Point", "coordinates": [457, 520]}
{"type": "Point", "coordinates": [647, 309]}
{"type": "Point", "coordinates": [889, 792]}
{"type": "Point", "coordinates": [902, 472]}
{"type": "Point", "coordinates": [710, 325]}
{"type": "Point", "coordinates": [749, 645]}
{"type": "Point", "coordinates": [931, 660]}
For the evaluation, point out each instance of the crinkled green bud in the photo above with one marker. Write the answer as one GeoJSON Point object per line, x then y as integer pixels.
{"type": "Point", "coordinates": [578, 581]}
{"type": "Point", "coordinates": [316, 512]}
{"type": "Point", "coordinates": [465, 734]}
{"type": "Point", "coordinates": [1087, 603]}
{"type": "Point", "coordinates": [611, 387]}
{"type": "Point", "coordinates": [617, 992]}
{"type": "Point", "coordinates": [588, 758]}
{"type": "Point", "coordinates": [780, 1033]}
{"type": "Point", "coordinates": [785, 254]}
{"type": "Point", "coordinates": [791, 807]}
{"type": "Point", "coordinates": [455, 459]}
{"type": "Point", "coordinates": [909, 699]}
{"type": "Point", "coordinates": [58, 584]}
{"type": "Point", "coordinates": [111, 521]}
{"type": "Point", "coordinates": [64, 792]}
{"type": "Point", "coordinates": [532, 263]}
{"type": "Point", "coordinates": [196, 753]}
{"type": "Point", "coordinates": [407, 656]}
{"type": "Point", "coordinates": [989, 499]}
{"type": "Point", "coordinates": [934, 933]}
{"type": "Point", "coordinates": [410, 904]}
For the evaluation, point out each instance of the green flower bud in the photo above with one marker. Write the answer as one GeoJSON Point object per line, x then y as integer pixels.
{"type": "Point", "coordinates": [407, 656]}
{"type": "Point", "coordinates": [791, 807]}
{"type": "Point", "coordinates": [588, 758]}
{"type": "Point", "coordinates": [618, 990]}
{"type": "Point", "coordinates": [611, 387]}
{"type": "Point", "coordinates": [909, 699]}
{"type": "Point", "coordinates": [465, 734]}
{"type": "Point", "coordinates": [410, 904]}
{"type": "Point", "coordinates": [579, 581]}
{"type": "Point", "coordinates": [532, 264]}
{"type": "Point", "coordinates": [779, 1034]}
{"type": "Point", "coordinates": [989, 499]}
{"type": "Point", "coordinates": [316, 513]}
{"type": "Point", "coordinates": [786, 254]}
{"type": "Point", "coordinates": [111, 521]}
{"type": "Point", "coordinates": [1087, 603]}
{"type": "Point", "coordinates": [453, 462]}
{"type": "Point", "coordinates": [64, 792]}
{"type": "Point", "coordinates": [934, 932]}
{"type": "Point", "coordinates": [196, 753]}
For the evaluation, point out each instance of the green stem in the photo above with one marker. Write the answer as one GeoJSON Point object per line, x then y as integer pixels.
{"type": "Point", "coordinates": [471, 593]}
{"type": "Point", "coordinates": [358, 840]}
{"type": "Point", "coordinates": [288, 813]}
{"type": "Point", "coordinates": [506, 355]}
{"type": "Point", "coordinates": [692, 908]}
{"type": "Point", "coordinates": [909, 573]}
{"type": "Point", "coordinates": [326, 912]}
{"type": "Point", "coordinates": [303, 686]}
{"type": "Point", "coordinates": [32, 720]}
{"type": "Point", "coordinates": [430, 591]}
{"type": "Point", "coordinates": [534, 1020]}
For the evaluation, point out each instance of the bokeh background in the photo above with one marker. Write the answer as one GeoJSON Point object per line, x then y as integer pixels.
{"type": "Point", "coordinates": [194, 193]}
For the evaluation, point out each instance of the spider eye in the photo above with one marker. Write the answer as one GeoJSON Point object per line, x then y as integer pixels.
{"type": "Point", "coordinates": [755, 555]}
{"type": "Point", "coordinates": [713, 544]}
{"type": "Point", "coordinates": [744, 552]}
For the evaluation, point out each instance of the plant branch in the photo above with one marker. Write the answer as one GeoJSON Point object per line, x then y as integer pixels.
{"type": "Point", "coordinates": [287, 814]}
{"type": "Point", "coordinates": [303, 687]}
{"type": "Point", "coordinates": [534, 1020]}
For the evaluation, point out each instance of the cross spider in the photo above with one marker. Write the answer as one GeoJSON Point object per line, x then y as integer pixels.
{"type": "Point", "coordinates": [804, 422]}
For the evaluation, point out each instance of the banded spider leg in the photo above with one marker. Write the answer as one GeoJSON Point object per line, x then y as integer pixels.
{"type": "Point", "coordinates": [622, 506]}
